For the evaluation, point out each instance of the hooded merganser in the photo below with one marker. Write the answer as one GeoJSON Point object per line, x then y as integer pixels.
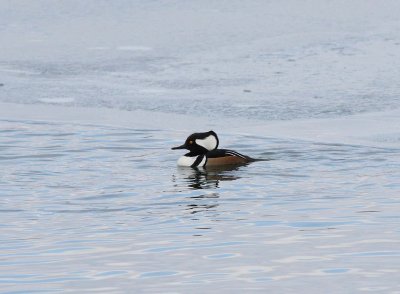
{"type": "Point", "coordinates": [204, 152]}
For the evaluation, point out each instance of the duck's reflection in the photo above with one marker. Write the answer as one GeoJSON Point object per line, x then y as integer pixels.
{"type": "Point", "coordinates": [208, 178]}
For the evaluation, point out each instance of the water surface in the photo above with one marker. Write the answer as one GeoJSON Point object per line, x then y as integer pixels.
{"type": "Point", "coordinates": [106, 209]}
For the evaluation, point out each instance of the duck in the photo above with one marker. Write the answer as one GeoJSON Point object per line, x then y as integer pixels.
{"type": "Point", "coordinates": [204, 152]}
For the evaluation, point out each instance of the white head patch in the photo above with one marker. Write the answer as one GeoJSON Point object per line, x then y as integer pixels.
{"type": "Point", "coordinates": [210, 142]}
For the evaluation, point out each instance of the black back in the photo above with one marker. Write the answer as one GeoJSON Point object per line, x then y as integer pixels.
{"type": "Point", "coordinates": [217, 153]}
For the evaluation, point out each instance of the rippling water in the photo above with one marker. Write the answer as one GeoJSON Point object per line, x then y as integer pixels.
{"type": "Point", "coordinates": [102, 209]}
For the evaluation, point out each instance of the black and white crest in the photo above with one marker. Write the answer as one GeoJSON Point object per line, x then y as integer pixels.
{"type": "Point", "coordinates": [209, 140]}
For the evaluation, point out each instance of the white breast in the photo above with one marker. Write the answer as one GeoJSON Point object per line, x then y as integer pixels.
{"type": "Point", "coordinates": [189, 160]}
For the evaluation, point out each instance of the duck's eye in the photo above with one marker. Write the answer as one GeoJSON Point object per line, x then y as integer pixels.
{"type": "Point", "coordinates": [190, 142]}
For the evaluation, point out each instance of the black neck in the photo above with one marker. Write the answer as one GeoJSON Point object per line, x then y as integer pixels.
{"type": "Point", "coordinates": [196, 150]}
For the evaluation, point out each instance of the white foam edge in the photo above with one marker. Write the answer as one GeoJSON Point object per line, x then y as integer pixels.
{"type": "Point", "coordinates": [379, 129]}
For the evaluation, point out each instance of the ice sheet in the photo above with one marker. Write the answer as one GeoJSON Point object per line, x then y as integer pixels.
{"type": "Point", "coordinates": [255, 60]}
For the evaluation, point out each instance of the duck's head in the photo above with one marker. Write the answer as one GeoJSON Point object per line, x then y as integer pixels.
{"type": "Point", "coordinates": [200, 143]}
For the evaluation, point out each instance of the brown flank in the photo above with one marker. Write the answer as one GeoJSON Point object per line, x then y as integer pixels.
{"type": "Point", "coordinates": [225, 160]}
